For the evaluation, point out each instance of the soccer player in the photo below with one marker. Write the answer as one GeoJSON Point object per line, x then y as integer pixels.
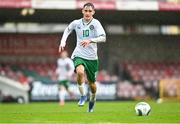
{"type": "Point", "coordinates": [89, 32]}
{"type": "Point", "coordinates": [64, 71]}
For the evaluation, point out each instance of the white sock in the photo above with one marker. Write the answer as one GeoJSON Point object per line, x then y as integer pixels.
{"type": "Point", "coordinates": [93, 97]}
{"type": "Point", "coordinates": [81, 89]}
{"type": "Point", "coordinates": [62, 94]}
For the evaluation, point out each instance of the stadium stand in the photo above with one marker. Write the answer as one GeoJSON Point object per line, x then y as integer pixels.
{"type": "Point", "coordinates": [27, 72]}
{"type": "Point", "coordinates": [152, 71]}
{"type": "Point", "coordinates": [145, 77]}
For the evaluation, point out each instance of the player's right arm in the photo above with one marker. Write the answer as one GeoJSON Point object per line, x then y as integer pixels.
{"type": "Point", "coordinates": [66, 33]}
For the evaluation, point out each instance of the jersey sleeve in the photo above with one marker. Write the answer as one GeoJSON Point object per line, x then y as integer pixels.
{"type": "Point", "coordinates": [100, 29]}
{"type": "Point", "coordinates": [68, 30]}
{"type": "Point", "coordinates": [72, 26]}
{"type": "Point", "coordinates": [100, 33]}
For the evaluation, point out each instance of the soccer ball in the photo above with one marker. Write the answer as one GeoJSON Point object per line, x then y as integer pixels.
{"type": "Point", "coordinates": [142, 109]}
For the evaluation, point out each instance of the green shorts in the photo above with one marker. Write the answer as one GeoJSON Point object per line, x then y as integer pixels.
{"type": "Point", "coordinates": [64, 83]}
{"type": "Point", "coordinates": [91, 67]}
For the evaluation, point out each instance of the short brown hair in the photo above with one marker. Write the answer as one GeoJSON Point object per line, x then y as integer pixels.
{"type": "Point", "coordinates": [89, 4]}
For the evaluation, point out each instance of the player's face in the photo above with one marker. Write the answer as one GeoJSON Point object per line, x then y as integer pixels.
{"type": "Point", "coordinates": [88, 13]}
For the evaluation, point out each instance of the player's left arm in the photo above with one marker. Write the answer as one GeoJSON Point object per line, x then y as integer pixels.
{"type": "Point", "coordinates": [101, 35]}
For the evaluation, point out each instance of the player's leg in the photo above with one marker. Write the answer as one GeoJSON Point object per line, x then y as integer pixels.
{"type": "Point", "coordinates": [91, 71]}
{"type": "Point", "coordinates": [62, 94]}
{"type": "Point", "coordinates": [71, 94]}
{"type": "Point", "coordinates": [92, 98]}
{"type": "Point", "coordinates": [80, 70]}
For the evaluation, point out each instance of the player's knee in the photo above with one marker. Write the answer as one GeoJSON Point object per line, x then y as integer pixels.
{"type": "Point", "coordinates": [80, 70]}
{"type": "Point", "coordinates": [80, 73]}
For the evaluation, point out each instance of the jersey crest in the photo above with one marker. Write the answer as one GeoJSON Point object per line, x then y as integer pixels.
{"type": "Point", "coordinates": [91, 27]}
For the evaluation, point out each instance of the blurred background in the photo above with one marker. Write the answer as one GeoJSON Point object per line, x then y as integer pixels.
{"type": "Point", "coordinates": [140, 60]}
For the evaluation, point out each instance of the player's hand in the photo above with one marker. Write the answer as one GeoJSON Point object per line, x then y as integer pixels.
{"type": "Point", "coordinates": [61, 47]}
{"type": "Point", "coordinates": [84, 43]}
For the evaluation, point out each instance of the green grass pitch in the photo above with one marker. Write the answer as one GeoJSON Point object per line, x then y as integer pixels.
{"type": "Point", "coordinates": [106, 112]}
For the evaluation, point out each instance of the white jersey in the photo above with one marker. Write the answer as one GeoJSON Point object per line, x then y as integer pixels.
{"type": "Point", "coordinates": [90, 30]}
{"type": "Point", "coordinates": [65, 68]}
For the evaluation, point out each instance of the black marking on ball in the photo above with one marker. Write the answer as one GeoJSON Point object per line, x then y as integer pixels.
{"type": "Point", "coordinates": [140, 113]}
{"type": "Point", "coordinates": [148, 112]}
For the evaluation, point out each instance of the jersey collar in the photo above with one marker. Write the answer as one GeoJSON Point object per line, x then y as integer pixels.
{"type": "Point", "coordinates": [87, 22]}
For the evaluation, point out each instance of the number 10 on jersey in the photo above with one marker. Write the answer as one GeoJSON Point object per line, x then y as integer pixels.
{"type": "Point", "coordinates": [85, 33]}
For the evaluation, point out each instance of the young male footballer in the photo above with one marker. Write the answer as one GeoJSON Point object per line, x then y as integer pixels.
{"type": "Point", "coordinates": [89, 32]}
{"type": "Point", "coordinates": [64, 72]}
